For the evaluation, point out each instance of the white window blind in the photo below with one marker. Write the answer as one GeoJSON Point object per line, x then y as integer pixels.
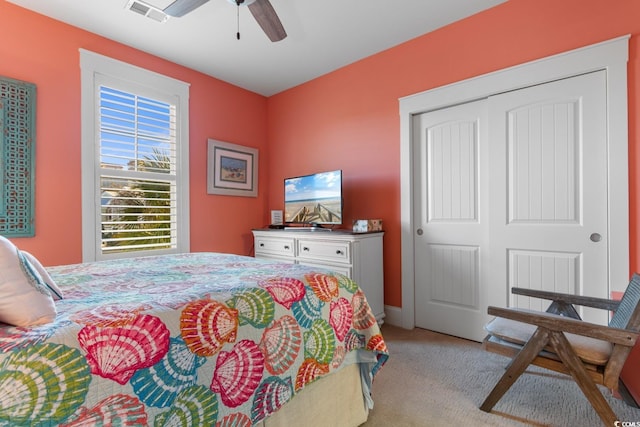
{"type": "Point", "coordinates": [137, 172]}
{"type": "Point", "coordinates": [135, 160]}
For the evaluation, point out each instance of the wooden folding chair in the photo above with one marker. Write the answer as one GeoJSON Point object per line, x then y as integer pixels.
{"type": "Point", "coordinates": [560, 341]}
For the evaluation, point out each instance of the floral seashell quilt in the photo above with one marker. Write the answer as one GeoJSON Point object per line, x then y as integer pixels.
{"type": "Point", "coordinates": [203, 338]}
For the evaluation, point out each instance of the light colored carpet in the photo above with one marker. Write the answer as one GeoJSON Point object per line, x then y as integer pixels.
{"type": "Point", "coordinates": [432, 379]}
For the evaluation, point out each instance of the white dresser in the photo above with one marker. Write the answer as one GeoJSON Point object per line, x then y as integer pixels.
{"type": "Point", "coordinates": [356, 255]}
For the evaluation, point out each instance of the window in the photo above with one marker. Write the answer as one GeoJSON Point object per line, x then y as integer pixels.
{"type": "Point", "coordinates": [134, 154]}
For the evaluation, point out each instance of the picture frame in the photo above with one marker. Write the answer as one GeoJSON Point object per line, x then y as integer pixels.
{"type": "Point", "coordinates": [232, 169]}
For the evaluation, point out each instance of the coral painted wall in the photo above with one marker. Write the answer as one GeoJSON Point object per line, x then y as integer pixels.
{"type": "Point", "coordinates": [45, 52]}
{"type": "Point", "coordinates": [349, 119]}
{"type": "Point", "coordinates": [345, 120]}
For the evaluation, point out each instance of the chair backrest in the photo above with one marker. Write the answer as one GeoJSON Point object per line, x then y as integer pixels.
{"type": "Point", "coordinates": [628, 305]}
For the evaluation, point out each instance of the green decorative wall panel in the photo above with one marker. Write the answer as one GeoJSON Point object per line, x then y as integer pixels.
{"type": "Point", "coordinates": [17, 157]}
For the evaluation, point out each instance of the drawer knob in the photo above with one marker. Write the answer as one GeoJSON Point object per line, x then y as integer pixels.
{"type": "Point", "coordinates": [262, 245]}
{"type": "Point", "coordinates": [305, 249]}
{"type": "Point", "coordinates": [339, 252]}
{"type": "Point", "coordinates": [286, 247]}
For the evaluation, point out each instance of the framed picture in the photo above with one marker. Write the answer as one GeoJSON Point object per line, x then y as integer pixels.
{"type": "Point", "coordinates": [232, 170]}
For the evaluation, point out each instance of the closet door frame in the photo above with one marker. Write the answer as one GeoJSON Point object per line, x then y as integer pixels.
{"type": "Point", "coordinates": [611, 56]}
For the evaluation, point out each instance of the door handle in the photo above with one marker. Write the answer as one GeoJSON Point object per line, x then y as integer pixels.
{"type": "Point", "coordinates": [419, 231]}
{"type": "Point", "coordinates": [595, 237]}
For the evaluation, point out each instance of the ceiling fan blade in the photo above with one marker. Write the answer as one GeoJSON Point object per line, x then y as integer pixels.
{"type": "Point", "coordinates": [182, 7]}
{"type": "Point", "coordinates": [267, 18]}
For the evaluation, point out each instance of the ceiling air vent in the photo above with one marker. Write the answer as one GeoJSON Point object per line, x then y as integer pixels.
{"type": "Point", "coordinates": [147, 10]}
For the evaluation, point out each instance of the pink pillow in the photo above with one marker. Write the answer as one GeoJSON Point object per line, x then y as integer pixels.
{"type": "Point", "coordinates": [25, 299]}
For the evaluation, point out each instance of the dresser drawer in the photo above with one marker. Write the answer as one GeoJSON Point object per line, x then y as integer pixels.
{"type": "Point", "coordinates": [337, 268]}
{"type": "Point", "coordinates": [275, 246]}
{"type": "Point", "coordinates": [325, 250]}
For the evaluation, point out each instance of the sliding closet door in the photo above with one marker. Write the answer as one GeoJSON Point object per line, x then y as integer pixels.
{"type": "Point", "coordinates": [450, 156]}
{"type": "Point", "coordinates": [549, 226]}
{"type": "Point", "coordinates": [510, 191]}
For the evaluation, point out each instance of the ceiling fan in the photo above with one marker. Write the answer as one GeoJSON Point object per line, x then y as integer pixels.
{"type": "Point", "coordinates": [262, 11]}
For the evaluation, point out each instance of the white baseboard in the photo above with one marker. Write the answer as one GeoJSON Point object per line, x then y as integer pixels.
{"type": "Point", "coordinates": [393, 315]}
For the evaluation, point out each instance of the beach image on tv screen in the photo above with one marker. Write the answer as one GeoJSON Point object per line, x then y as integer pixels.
{"type": "Point", "coordinates": [315, 199]}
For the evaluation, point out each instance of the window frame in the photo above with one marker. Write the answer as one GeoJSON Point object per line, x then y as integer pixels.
{"type": "Point", "coordinates": [99, 70]}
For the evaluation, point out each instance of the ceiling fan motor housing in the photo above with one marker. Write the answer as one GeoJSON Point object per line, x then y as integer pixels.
{"type": "Point", "coordinates": [241, 2]}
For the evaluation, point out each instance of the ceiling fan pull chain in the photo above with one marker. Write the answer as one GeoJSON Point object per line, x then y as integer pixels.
{"type": "Point", "coordinates": [238, 19]}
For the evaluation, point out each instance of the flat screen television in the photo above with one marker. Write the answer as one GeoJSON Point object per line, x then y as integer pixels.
{"type": "Point", "coordinates": [314, 199]}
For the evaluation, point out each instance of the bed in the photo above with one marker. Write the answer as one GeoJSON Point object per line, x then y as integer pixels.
{"type": "Point", "coordinates": [202, 339]}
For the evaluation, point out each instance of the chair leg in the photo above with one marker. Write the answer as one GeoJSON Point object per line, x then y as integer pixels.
{"type": "Point", "coordinates": [576, 368]}
{"type": "Point", "coordinates": [517, 366]}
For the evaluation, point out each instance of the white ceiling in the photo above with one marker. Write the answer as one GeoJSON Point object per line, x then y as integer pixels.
{"type": "Point", "coordinates": [323, 35]}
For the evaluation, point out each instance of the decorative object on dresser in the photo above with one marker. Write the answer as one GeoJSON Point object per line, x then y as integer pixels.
{"type": "Point", "coordinates": [367, 225]}
{"type": "Point", "coordinates": [276, 218]}
{"type": "Point", "coordinates": [356, 255]}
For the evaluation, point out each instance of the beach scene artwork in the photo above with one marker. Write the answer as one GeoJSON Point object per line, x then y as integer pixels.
{"type": "Point", "coordinates": [233, 169]}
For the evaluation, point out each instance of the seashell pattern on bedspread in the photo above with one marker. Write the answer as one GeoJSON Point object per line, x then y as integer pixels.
{"type": "Point", "coordinates": [188, 339]}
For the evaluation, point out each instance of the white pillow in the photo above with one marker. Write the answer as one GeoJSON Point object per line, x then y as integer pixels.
{"type": "Point", "coordinates": [25, 299]}
{"type": "Point", "coordinates": [56, 293]}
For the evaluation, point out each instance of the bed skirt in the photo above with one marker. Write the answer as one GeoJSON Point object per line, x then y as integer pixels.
{"type": "Point", "coordinates": [334, 400]}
